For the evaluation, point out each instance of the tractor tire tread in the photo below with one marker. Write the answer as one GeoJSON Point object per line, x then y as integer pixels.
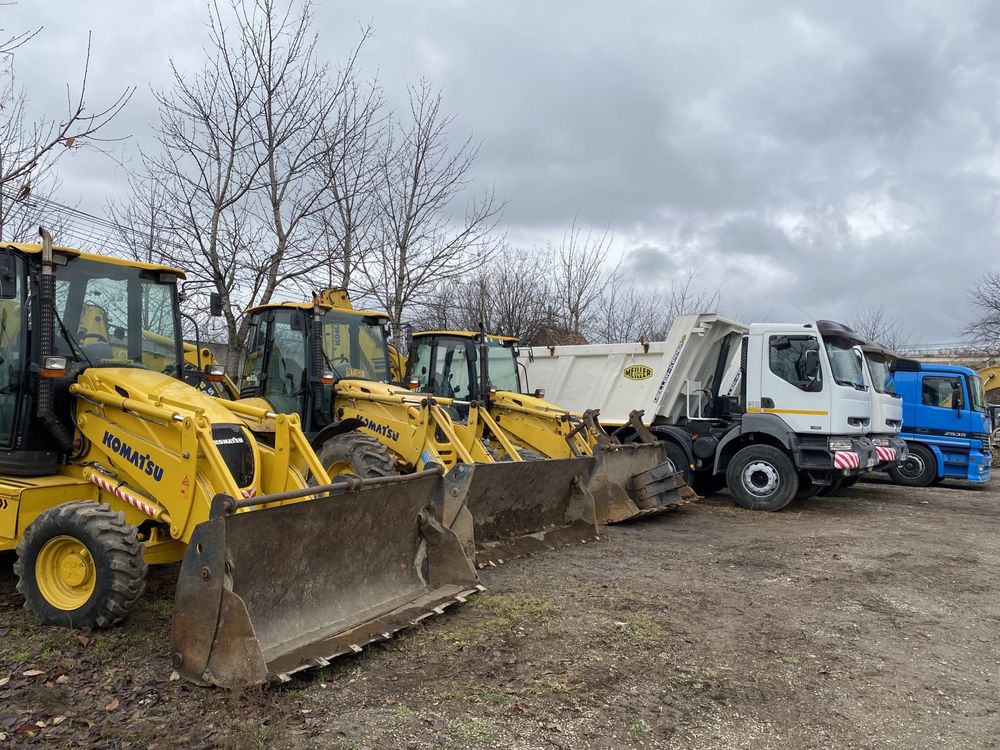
{"type": "Point", "coordinates": [117, 544]}
{"type": "Point", "coordinates": [360, 450]}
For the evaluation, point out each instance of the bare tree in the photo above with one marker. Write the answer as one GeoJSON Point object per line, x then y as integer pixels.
{"type": "Point", "coordinates": [29, 147]}
{"type": "Point", "coordinates": [509, 295]}
{"type": "Point", "coordinates": [580, 277]}
{"type": "Point", "coordinates": [420, 241]}
{"type": "Point", "coordinates": [879, 325]}
{"type": "Point", "coordinates": [236, 192]}
{"type": "Point", "coordinates": [351, 173]}
{"type": "Point", "coordinates": [984, 331]}
{"type": "Point", "coordinates": [633, 312]}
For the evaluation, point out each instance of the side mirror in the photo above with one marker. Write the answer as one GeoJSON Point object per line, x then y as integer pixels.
{"type": "Point", "coordinates": [8, 277]}
{"type": "Point", "coordinates": [811, 364]}
{"type": "Point", "coordinates": [957, 399]}
{"type": "Point", "coordinates": [215, 305]}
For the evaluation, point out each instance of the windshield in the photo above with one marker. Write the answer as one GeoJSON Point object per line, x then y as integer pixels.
{"type": "Point", "coordinates": [110, 314]}
{"type": "Point", "coordinates": [355, 346]}
{"type": "Point", "coordinates": [844, 362]}
{"type": "Point", "coordinates": [976, 389]}
{"type": "Point", "coordinates": [881, 375]}
{"type": "Point", "coordinates": [502, 366]}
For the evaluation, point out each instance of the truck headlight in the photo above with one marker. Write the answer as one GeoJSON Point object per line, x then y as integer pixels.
{"type": "Point", "coordinates": [841, 444]}
{"type": "Point", "coordinates": [881, 442]}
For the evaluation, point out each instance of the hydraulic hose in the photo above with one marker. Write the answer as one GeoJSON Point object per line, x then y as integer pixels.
{"type": "Point", "coordinates": [46, 320]}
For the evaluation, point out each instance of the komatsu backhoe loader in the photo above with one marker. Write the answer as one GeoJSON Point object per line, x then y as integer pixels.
{"type": "Point", "coordinates": [329, 363]}
{"type": "Point", "coordinates": [109, 462]}
{"type": "Point", "coordinates": [473, 368]}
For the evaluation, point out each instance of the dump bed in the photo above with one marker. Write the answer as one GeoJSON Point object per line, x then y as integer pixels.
{"type": "Point", "coordinates": [658, 377]}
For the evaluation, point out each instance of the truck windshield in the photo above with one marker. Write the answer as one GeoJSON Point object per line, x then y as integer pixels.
{"type": "Point", "coordinates": [502, 366]}
{"type": "Point", "coordinates": [355, 346]}
{"type": "Point", "coordinates": [976, 391]}
{"type": "Point", "coordinates": [881, 376]}
{"type": "Point", "coordinates": [108, 314]}
{"type": "Point", "coordinates": [844, 362]}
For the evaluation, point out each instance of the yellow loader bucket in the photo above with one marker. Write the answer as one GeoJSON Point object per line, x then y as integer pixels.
{"type": "Point", "coordinates": [519, 507]}
{"type": "Point", "coordinates": [635, 480]}
{"type": "Point", "coordinates": [270, 591]}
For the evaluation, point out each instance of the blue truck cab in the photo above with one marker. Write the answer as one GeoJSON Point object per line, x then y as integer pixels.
{"type": "Point", "coordinates": [946, 425]}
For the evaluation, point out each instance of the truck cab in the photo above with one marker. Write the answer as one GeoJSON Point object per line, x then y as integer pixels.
{"type": "Point", "coordinates": [946, 424]}
{"type": "Point", "coordinates": [887, 405]}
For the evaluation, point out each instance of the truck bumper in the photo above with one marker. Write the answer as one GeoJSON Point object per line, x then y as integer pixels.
{"type": "Point", "coordinates": [814, 455]}
{"type": "Point", "coordinates": [891, 452]}
{"type": "Point", "coordinates": [979, 465]}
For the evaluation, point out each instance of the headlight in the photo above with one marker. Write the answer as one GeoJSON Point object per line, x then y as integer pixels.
{"type": "Point", "coordinates": [840, 444]}
{"type": "Point", "coordinates": [881, 442]}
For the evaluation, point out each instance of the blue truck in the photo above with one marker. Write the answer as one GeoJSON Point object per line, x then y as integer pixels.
{"type": "Point", "coordinates": [946, 424]}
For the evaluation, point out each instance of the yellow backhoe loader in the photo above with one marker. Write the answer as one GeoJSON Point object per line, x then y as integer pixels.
{"type": "Point", "coordinates": [330, 364]}
{"type": "Point", "coordinates": [109, 462]}
{"type": "Point", "coordinates": [475, 369]}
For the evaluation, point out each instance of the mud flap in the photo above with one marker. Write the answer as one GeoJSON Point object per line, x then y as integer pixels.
{"type": "Point", "coordinates": [635, 480]}
{"type": "Point", "coordinates": [520, 507]}
{"type": "Point", "coordinates": [265, 593]}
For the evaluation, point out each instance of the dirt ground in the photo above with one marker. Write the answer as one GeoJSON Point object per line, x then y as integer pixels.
{"type": "Point", "coordinates": [869, 620]}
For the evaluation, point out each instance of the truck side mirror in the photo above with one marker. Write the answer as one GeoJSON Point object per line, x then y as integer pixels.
{"type": "Point", "coordinates": [811, 364]}
{"type": "Point", "coordinates": [215, 305]}
{"type": "Point", "coordinates": [8, 277]}
{"type": "Point", "coordinates": [957, 399]}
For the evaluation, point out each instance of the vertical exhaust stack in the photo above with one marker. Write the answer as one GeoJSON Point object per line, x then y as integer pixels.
{"type": "Point", "coordinates": [47, 303]}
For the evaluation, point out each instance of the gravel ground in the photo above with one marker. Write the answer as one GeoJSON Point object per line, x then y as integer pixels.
{"type": "Point", "coordinates": [867, 620]}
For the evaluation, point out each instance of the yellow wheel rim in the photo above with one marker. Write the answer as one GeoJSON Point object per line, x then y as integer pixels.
{"type": "Point", "coordinates": [339, 468]}
{"type": "Point", "coordinates": [65, 573]}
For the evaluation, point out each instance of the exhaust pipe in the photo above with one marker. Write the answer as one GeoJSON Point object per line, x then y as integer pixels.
{"type": "Point", "coordinates": [47, 302]}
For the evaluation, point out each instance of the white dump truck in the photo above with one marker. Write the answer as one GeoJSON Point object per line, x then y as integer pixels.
{"type": "Point", "coordinates": [887, 407]}
{"type": "Point", "coordinates": [773, 411]}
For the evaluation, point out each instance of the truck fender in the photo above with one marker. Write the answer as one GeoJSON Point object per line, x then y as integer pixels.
{"type": "Point", "coordinates": [331, 430]}
{"type": "Point", "coordinates": [766, 424]}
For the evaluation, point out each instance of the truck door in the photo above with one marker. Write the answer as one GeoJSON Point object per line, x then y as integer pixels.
{"type": "Point", "coordinates": [792, 382]}
{"type": "Point", "coordinates": [946, 401]}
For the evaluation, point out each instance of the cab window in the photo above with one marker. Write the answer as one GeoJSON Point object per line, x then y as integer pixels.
{"type": "Point", "coordinates": [943, 392]}
{"type": "Point", "coordinates": [795, 359]}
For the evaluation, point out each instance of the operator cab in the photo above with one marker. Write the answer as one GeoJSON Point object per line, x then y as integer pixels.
{"type": "Point", "coordinates": [447, 364]}
{"type": "Point", "coordinates": [106, 313]}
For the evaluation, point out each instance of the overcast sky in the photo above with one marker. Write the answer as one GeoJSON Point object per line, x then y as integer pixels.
{"type": "Point", "coordinates": [823, 155]}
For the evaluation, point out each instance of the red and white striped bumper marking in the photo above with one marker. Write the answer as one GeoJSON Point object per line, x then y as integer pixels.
{"type": "Point", "coordinates": [122, 494]}
{"type": "Point", "coordinates": [249, 492]}
{"type": "Point", "coordinates": [885, 454]}
{"type": "Point", "coordinates": [846, 460]}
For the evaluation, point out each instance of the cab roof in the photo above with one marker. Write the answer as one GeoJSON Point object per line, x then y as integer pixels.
{"type": "Point", "coordinates": [34, 248]}
{"type": "Point", "coordinates": [466, 335]}
{"type": "Point", "coordinates": [310, 306]}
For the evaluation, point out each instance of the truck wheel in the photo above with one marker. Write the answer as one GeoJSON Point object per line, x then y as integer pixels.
{"type": "Point", "coordinates": [919, 469]}
{"type": "Point", "coordinates": [850, 481]}
{"type": "Point", "coordinates": [679, 459]}
{"type": "Point", "coordinates": [706, 483]}
{"type": "Point", "coordinates": [79, 565]}
{"type": "Point", "coordinates": [807, 488]}
{"type": "Point", "coordinates": [832, 487]}
{"type": "Point", "coordinates": [356, 454]}
{"type": "Point", "coordinates": [762, 477]}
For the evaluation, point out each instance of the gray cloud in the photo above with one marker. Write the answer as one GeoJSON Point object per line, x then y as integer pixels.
{"type": "Point", "coordinates": [826, 155]}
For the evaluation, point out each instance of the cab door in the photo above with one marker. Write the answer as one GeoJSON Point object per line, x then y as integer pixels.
{"type": "Point", "coordinates": [946, 401]}
{"type": "Point", "coordinates": [792, 382]}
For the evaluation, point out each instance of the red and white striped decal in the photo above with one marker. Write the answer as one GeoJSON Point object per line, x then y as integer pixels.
{"type": "Point", "coordinates": [846, 460]}
{"type": "Point", "coordinates": [885, 454]}
{"type": "Point", "coordinates": [122, 494]}
{"type": "Point", "coordinates": [249, 492]}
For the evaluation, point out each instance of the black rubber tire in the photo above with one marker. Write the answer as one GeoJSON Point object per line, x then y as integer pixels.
{"type": "Point", "coordinates": [936, 481]}
{"type": "Point", "coordinates": [919, 470]}
{"type": "Point", "coordinates": [367, 457]}
{"type": "Point", "coordinates": [850, 481]}
{"type": "Point", "coordinates": [114, 547]}
{"type": "Point", "coordinates": [777, 467]}
{"type": "Point", "coordinates": [807, 488]}
{"type": "Point", "coordinates": [680, 461]}
{"type": "Point", "coordinates": [832, 487]}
